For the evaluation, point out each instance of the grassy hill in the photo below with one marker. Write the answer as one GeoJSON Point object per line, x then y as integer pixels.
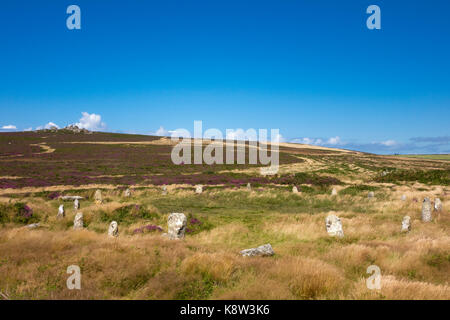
{"type": "Point", "coordinates": [38, 167]}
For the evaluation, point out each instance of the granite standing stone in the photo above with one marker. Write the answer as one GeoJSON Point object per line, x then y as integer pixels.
{"type": "Point", "coordinates": [334, 226]}
{"type": "Point", "coordinates": [176, 225]}
{"type": "Point", "coordinates": [61, 214]}
{"type": "Point", "coordinates": [113, 230]}
{"type": "Point", "coordinates": [426, 210]}
{"type": "Point", "coordinates": [78, 221]}
{"type": "Point", "coordinates": [406, 224]}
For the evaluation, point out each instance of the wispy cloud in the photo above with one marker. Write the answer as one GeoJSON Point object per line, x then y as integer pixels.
{"type": "Point", "coordinates": [388, 146]}
{"type": "Point", "coordinates": [9, 127]}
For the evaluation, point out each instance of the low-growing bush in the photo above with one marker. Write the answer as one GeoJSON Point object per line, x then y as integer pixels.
{"type": "Point", "coordinates": [129, 213]}
{"type": "Point", "coordinates": [433, 177]}
{"type": "Point", "coordinates": [357, 189]}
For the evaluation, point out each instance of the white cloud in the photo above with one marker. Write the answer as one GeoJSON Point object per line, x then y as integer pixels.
{"type": "Point", "coordinates": [161, 132]}
{"type": "Point", "coordinates": [9, 127]}
{"type": "Point", "coordinates": [388, 143]}
{"type": "Point", "coordinates": [92, 122]}
{"type": "Point", "coordinates": [306, 140]}
{"type": "Point", "coordinates": [49, 125]}
{"type": "Point", "coordinates": [334, 141]}
{"type": "Point", "coordinates": [28, 129]}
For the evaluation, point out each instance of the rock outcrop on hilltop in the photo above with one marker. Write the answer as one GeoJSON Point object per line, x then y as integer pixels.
{"type": "Point", "coordinates": [72, 128]}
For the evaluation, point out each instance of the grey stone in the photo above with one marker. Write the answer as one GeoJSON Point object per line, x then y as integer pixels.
{"type": "Point", "coordinates": [127, 193]}
{"type": "Point", "coordinates": [263, 251]}
{"type": "Point", "coordinates": [113, 230]}
{"type": "Point", "coordinates": [164, 190]}
{"type": "Point", "coordinates": [76, 204]}
{"type": "Point", "coordinates": [294, 189]}
{"type": "Point", "coordinates": [71, 198]}
{"type": "Point", "coordinates": [198, 189]}
{"type": "Point", "coordinates": [61, 214]}
{"type": "Point", "coordinates": [249, 187]}
{"type": "Point", "coordinates": [437, 204]}
{"type": "Point", "coordinates": [403, 198]}
{"type": "Point", "coordinates": [334, 192]}
{"type": "Point", "coordinates": [33, 225]}
{"type": "Point", "coordinates": [426, 210]}
{"type": "Point", "coordinates": [334, 226]}
{"type": "Point", "coordinates": [78, 221]}
{"type": "Point", "coordinates": [371, 194]}
{"type": "Point", "coordinates": [98, 197]}
{"type": "Point", "coordinates": [176, 225]}
{"type": "Point", "coordinates": [406, 224]}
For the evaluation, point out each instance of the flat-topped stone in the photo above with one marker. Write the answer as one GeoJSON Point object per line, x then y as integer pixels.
{"type": "Point", "coordinates": [71, 198]}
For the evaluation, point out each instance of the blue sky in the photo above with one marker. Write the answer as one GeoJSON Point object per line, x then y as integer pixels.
{"type": "Point", "coordinates": [309, 68]}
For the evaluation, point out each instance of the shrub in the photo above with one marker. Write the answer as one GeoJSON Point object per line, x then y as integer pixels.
{"type": "Point", "coordinates": [434, 177]}
{"type": "Point", "coordinates": [23, 213]}
{"type": "Point", "coordinates": [127, 214]}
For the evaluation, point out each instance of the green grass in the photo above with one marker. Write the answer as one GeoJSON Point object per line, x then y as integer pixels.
{"type": "Point", "coordinates": [426, 156]}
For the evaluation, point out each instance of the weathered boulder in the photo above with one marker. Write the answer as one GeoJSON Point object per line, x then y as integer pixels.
{"type": "Point", "coordinates": [426, 210]}
{"type": "Point", "coordinates": [164, 190]}
{"type": "Point", "coordinates": [127, 193]}
{"type": "Point", "coordinates": [371, 194]}
{"type": "Point", "coordinates": [334, 226]}
{"type": "Point", "coordinates": [406, 224]}
{"type": "Point", "coordinates": [198, 189]}
{"type": "Point", "coordinates": [76, 204]}
{"type": "Point", "coordinates": [113, 230]}
{"type": "Point", "coordinates": [78, 221]}
{"type": "Point", "coordinates": [294, 189]}
{"type": "Point", "coordinates": [176, 225]}
{"type": "Point", "coordinates": [334, 192]}
{"type": "Point", "coordinates": [263, 251]}
{"type": "Point", "coordinates": [61, 214]}
{"type": "Point", "coordinates": [33, 225]}
{"type": "Point", "coordinates": [98, 197]}
{"type": "Point", "coordinates": [437, 204]}
{"type": "Point", "coordinates": [403, 198]}
{"type": "Point", "coordinates": [249, 187]}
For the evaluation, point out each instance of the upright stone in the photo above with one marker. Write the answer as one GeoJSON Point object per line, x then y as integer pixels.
{"type": "Point", "coordinates": [294, 189]}
{"type": "Point", "coordinates": [113, 230]}
{"type": "Point", "coordinates": [198, 189]}
{"type": "Point", "coordinates": [334, 192]}
{"type": "Point", "coordinates": [371, 194]}
{"type": "Point", "coordinates": [334, 226]}
{"type": "Point", "coordinates": [426, 210]}
{"type": "Point", "coordinates": [403, 198]}
{"type": "Point", "coordinates": [76, 204]}
{"type": "Point", "coordinates": [437, 204]}
{"type": "Point", "coordinates": [61, 214]}
{"type": "Point", "coordinates": [406, 224]}
{"type": "Point", "coordinates": [78, 221]}
{"type": "Point", "coordinates": [98, 197]}
{"type": "Point", "coordinates": [249, 187]}
{"type": "Point", "coordinates": [164, 190]}
{"type": "Point", "coordinates": [127, 193]}
{"type": "Point", "coordinates": [176, 225]}
{"type": "Point", "coordinates": [263, 251]}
